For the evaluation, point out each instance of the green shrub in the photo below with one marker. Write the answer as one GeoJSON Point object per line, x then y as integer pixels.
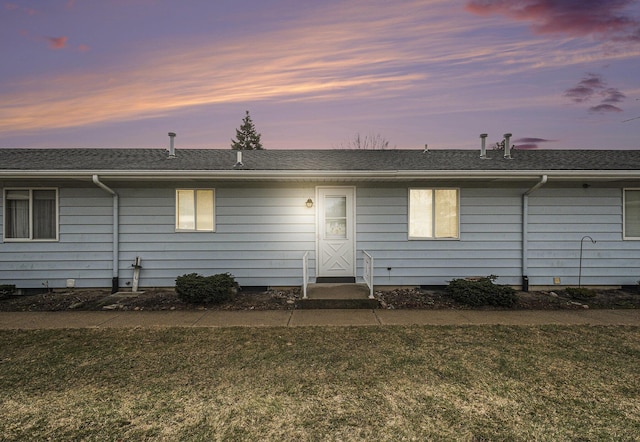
{"type": "Point", "coordinates": [580, 293]}
{"type": "Point", "coordinates": [482, 292]}
{"type": "Point", "coordinates": [214, 289]}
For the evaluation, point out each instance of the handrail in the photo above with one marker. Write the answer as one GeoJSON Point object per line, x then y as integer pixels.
{"type": "Point", "coordinates": [368, 272]}
{"type": "Point", "coordinates": [305, 274]}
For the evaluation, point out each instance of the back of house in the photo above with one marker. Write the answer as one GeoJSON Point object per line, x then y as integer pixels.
{"type": "Point", "coordinates": [533, 218]}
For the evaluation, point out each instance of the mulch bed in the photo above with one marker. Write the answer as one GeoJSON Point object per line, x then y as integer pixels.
{"type": "Point", "coordinates": [403, 298]}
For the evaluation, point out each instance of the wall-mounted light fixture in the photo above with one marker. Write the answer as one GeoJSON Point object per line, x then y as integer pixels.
{"type": "Point", "coordinates": [309, 203]}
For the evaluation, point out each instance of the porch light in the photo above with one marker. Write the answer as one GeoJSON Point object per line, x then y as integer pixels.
{"type": "Point", "coordinates": [309, 203]}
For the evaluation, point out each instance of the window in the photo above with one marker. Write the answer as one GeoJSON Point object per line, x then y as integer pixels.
{"type": "Point", "coordinates": [433, 213]}
{"type": "Point", "coordinates": [631, 212]}
{"type": "Point", "coordinates": [31, 214]}
{"type": "Point", "coordinates": [195, 210]}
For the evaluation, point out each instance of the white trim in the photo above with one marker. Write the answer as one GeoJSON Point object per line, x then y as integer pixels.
{"type": "Point", "coordinates": [351, 226]}
{"type": "Point", "coordinates": [433, 215]}
{"type": "Point", "coordinates": [30, 239]}
{"type": "Point", "coordinates": [286, 175]}
{"type": "Point", "coordinates": [195, 229]}
{"type": "Point", "coordinates": [624, 214]}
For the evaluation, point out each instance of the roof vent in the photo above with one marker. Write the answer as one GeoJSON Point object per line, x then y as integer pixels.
{"type": "Point", "coordinates": [483, 146]}
{"type": "Point", "coordinates": [507, 146]}
{"type": "Point", "coordinates": [172, 149]}
{"type": "Point", "coordinates": [239, 159]}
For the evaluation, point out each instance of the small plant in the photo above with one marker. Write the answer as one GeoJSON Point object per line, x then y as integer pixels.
{"type": "Point", "coordinates": [214, 289]}
{"type": "Point", "coordinates": [580, 293]}
{"type": "Point", "coordinates": [482, 291]}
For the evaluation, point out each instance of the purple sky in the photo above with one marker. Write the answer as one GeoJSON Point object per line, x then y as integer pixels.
{"type": "Point", "coordinates": [123, 73]}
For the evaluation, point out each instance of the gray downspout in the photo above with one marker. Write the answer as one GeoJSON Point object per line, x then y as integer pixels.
{"type": "Point", "coordinates": [525, 231]}
{"type": "Point", "coordinates": [115, 283]}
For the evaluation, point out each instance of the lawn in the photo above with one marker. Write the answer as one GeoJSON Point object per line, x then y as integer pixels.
{"type": "Point", "coordinates": [577, 383]}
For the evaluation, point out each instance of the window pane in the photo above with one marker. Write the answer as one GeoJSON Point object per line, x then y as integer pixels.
{"type": "Point", "coordinates": [44, 214]}
{"type": "Point", "coordinates": [335, 207]}
{"type": "Point", "coordinates": [185, 216]}
{"type": "Point", "coordinates": [335, 216]}
{"type": "Point", "coordinates": [446, 213]}
{"type": "Point", "coordinates": [17, 218]}
{"type": "Point", "coordinates": [204, 206]}
{"type": "Point", "coordinates": [420, 213]}
{"type": "Point", "coordinates": [632, 213]}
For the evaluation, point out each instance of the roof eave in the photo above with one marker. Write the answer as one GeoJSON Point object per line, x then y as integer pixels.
{"type": "Point", "coordinates": [296, 175]}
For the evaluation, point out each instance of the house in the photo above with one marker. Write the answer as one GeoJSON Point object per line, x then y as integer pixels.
{"type": "Point", "coordinates": [82, 216]}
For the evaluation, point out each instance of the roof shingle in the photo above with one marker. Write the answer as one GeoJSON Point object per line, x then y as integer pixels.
{"type": "Point", "coordinates": [315, 160]}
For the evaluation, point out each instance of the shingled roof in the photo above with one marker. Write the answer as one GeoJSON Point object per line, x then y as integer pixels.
{"type": "Point", "coordinates": [210, 160]}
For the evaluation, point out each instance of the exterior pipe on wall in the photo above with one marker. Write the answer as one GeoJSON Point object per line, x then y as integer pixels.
{"type": "Point", "coordinates": [525, 230]}
{"type": "Point", "coordinates": [115, 283]}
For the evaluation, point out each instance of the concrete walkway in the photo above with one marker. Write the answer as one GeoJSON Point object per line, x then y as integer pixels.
{"type": "Point", "coordinates": [302, 318]}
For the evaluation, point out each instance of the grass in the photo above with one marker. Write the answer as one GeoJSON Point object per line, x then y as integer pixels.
{"type": "Point", "coordinates": [306, 384]}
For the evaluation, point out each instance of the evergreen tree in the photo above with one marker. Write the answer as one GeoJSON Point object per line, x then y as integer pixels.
{"type": "Point", "coordinates": [246, 137]}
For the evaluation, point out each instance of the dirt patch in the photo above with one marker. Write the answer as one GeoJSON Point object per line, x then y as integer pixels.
{"type": "Point", "coordinates": [533, 300]}
{"type": "Point", "coordinates": [150, 299]}
{"type": "Point", "coordinates": [166, 299]}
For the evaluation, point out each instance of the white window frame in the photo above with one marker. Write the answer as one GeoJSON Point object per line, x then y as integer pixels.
{"type": "Point", "coordinates": [195, 210]}
{"type": "Point", "coordinates": [433, 215]}
{"type": "Point", "coordinates": [5, 215]}
{"type": "Point", "coordinates": [624, 214]}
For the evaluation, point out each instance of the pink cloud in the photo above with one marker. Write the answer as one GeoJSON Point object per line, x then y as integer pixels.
{"type": "Point", "coordinates": [586, 88]}
{"type": "Point", "coordinates": [528, 143]}
{"type": "Point", "coordinates": [11, 6]}
{"type": "Point", "coordinates": [57, 42]}
{"type": "Point", "coordinates": [83, 48]}
{"type": "Point", "coordinates": [601, 108]}
{"type": "Point", "coordinates": [613, 95]}
{"type": "Point", "coordinates": [605, 18]}
{"type": "Point", "coordinates": [593, 85]}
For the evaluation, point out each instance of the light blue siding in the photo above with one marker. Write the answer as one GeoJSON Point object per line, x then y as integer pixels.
{"type": "Point", "coordinates": [560, 218]}
{"type": "Point", "coordinates": [260, 237]}
{"type": "Point", "coordinates": [263, 230]}
{"type": "Point", "coordinates": [83, 251]}
{"type": "Point", "coordinates": [489, 243]}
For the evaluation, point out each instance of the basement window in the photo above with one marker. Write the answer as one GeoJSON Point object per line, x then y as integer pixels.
{"type": "Point", "coordinates": [434, 214]}
{"type": "Point", "coordinates": [30, 214]}
{"type": "Point", "coordinates": [195, 210]}
{"type": "Point", "coordinates": [631, 212]}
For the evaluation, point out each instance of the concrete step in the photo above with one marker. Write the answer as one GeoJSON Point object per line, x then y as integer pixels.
{"type": "Point", "coordinates": [337, 296]}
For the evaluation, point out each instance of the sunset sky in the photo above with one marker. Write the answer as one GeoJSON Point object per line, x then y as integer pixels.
{"type": "Point", "coordinates": [313, 74]}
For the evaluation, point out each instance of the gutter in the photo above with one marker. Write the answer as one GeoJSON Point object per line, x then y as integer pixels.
{"type": "Point", "coordinates": [283, 175]}
{"type": "Point", "coordinates": [115, 283]}
{"type": "Point", "coordinates": [525, 230]}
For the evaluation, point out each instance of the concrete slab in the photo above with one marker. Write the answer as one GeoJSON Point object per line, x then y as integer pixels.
{"type": "Point", "coordinates": [337, 291]}
{"type": "Point", "coordinates": [54, 320]}
{"type": "Point", "coordinates": [253, 318]}
{"type": "Point", "coordinates": [333, 317]}
{"type": "Point", "coordinates": [176, 318]}
{"type": "Point", "coordinates": [610, 317]}
{"type": "Point", "coordinates": [419, 317]}
{"type": "Point", "coordinates": [297, 318]}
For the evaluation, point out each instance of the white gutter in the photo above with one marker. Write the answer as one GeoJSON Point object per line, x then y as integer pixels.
{"type": "Point", "coordinates": [525, 230]}
{"type": "Point", "coordinates": [115, 283]}
{"type": "Point", "coordinates": [280, 175]}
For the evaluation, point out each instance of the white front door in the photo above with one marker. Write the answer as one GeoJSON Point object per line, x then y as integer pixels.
{"type": "Point", "coordinates": [336, 232]}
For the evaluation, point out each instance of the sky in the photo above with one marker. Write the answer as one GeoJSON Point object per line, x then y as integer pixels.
{"type": "Point", "coordinates": [557, 74]}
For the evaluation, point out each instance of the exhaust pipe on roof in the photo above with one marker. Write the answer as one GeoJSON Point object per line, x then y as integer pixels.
{"type": "Point", "coordinates": [507, 146]}
{"type": "Point", "coordinates": [483, 146]}
{"type": "Point", "coordinates": [172, 149]}
{"type": "Point", "coordinates": [238, 159]}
